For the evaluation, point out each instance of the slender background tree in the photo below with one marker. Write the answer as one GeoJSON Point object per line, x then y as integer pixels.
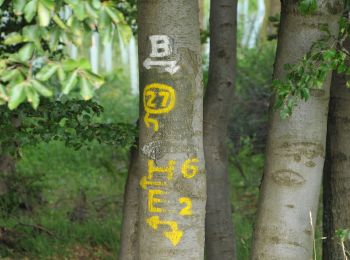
{"type": "Point", "coordinates": [219, 97]}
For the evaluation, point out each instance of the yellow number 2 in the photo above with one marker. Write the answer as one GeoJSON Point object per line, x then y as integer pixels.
{"type": "Point", "coordinates": [187, 210]}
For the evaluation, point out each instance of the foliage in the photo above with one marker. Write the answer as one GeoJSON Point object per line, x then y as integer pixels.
{"type": "Point", "coordinates": [311, 72]}
{"type": "Point", "coordinates": [72, 122]}
{"type": "Point", "coordinates": [250, 106]}
{"type": "Point", "coordinates": [33, 60]}
{"type": "Point", "coordinates": [307, 6]}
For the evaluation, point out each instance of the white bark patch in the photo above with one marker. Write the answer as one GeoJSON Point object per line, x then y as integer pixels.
{"type": "Point", "coordinates": [162, 50]}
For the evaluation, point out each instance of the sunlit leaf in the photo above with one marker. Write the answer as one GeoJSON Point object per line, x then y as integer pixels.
{"type": "Point", "coordinates": [18, 6]}
{"type": "Point", "coordinates": [13, 38]}
{"type": "Point", "coordinates": [46, 72]}
{"type": "Point", "coordinates": [17, 95]}
{"type": "Point", "coordinates": [41, 88]}
{"type": "Point", "coordinates": [26, 52]}
{"type": "Point", "coordinates": [70, 84]}
{"type": "Point", "coordinates": [86, 89]}
{"type": "Point", "coordinates": [30, 10]}
{"type": "Point", "coordinates": [44, 15]}
{"type": "Point", "coordinates": [32, 96]}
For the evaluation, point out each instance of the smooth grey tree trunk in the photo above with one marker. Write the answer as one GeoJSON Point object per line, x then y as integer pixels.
{"type": "Point", "coordinates": [170, 160]}
{"type": "Point", "coordinates": [295, 147]}
{"type": "Point", "coordinates": [219, 96]}
{"type": "Point", "coordinates": [336, 191]}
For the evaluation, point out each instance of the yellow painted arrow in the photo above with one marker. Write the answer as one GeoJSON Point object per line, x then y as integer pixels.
{"type": "Point", "coordinates": [149, 121]}
{"type": "Point", "coordinates": [174, 235]}
{"type": "Point", "coordinates": [144, 183]}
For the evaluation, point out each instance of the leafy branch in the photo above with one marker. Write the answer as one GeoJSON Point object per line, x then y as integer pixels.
{"type": "Point", "coordinates": [312, 70]}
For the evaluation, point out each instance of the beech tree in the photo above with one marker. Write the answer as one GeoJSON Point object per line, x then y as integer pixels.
{"type": "Point", "coordinates": [296, 145]}
{"type": "Point", "coordinates": [219, 95]}
{"type": "Point", "coordinates": [169, 162]}
{"type": "Point", "coordinates": [336, 217]}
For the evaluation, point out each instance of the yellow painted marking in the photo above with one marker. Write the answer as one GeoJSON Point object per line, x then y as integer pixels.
{"type": "Point", "coordinates": [166, 96]}
{"type": "Point", "coordinates": [154, 200]}
{"type": "Point", "coordinates": [150, 102]}
{"type": "Point", "coordinates": [186, 211]}
{"type": "Point", "coordinates": [144, 183]}
{"type": "Point", "coordinates": [188, 169]}
{"type": "Point", "coordinates": [162, 90]}
{"type": "Point", "coordinates": [174, 235]}
{"type": "Point", "coordinates": [169, 170]}
{"type": "Point", "coordinates": [149, 121]}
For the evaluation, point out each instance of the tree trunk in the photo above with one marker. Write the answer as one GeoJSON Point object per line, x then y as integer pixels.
{"type": "Point", "coordinates": [336, 192]}
{"type": "Point", "coordinates": [220, 242]}
{"type": "Point", "coordinates": [272, 8]}
{"type": "Point", "coordinates": [296, 146]}
{"type": "Point", "coordinates": [128, 237]}
{"type": "Point", "coordinates": [170, 157]}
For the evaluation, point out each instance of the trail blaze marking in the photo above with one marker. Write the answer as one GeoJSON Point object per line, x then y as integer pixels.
{"type": "Point", "coordinates": [161, 48]}
{"type": "Point", "coordinates": [188, 169]}
{"type": "Point", "coordinates": [153, 200]}
{"type": "Point", "coordinates": [186, 211]}
{"type": "Point", "coordinates": [174, 235]}
{"type": "Point", "coordinates": [152, 93]}
{"type": "Point", "coordinates": [144, 183]}
{"type": "Point", "coordinates": [168, 170]}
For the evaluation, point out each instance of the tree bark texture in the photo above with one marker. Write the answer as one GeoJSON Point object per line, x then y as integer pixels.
{"type": "Point", "coordinates": [220, 242]}
{"type": "Point", "coordinates": [296, 146]}
{"type": "Point", "coordinates": [272, 8]}
{"type": "Point", "coordinates": [171, 163]}
{"type": "Point", "coordinates": [336, 191]}
{"type": "Point", "coordinates": [128, 236]}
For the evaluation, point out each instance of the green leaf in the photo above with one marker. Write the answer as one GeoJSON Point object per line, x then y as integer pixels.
{"type": "Point", "coordinates": [46, 72]}
{"type": "Point", "coordinates": [113, 14]}
{"type": "Point", "coordinates": [59, 22]}
{"type": "Point", "coordinates": [70, 84]}
{"type": "Point", "coordinates": [49, 4]}
{"type": "Point", "coordinates": [96, 4]}
{"type": "Point", "coordinates": [17, 95]}
{"type": "Point", "coordinates": [18, 6]}
{"type": "Point", "coordinates": [30, 10]}
{"type": "Point", "coordinates": [1, 2]}
{"type": "Point", "coordinates": [41, 88]}
{"type": "Point", "coordinates": [348, 84]}
{"type": "Point", "coordinates": [26, 52]}
{"type": "Point", "coordinates": [86, 89]}
{"type": "Point", "coordinates": [307, 6]}
{"type": "Point", "coordinates": [90, 11]}
{"type": "Point", "coordinates": [61, 74]}
{"type": "Point", "coordinates": [10, 75]}
{"type": "Point", "coordinates": [44, 15]}
{"type": "Point", "coordinates": [3, 94]}
{"type": "Point", "coordinates": [79, 12]}
{"type": "Point", "coordinates": [13, 38]}
{"type": "Point", "coordinates": [32, 96]}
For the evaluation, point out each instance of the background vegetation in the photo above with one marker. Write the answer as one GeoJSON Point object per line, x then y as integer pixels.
{"type": "Point", "coordinates": [66, 204]}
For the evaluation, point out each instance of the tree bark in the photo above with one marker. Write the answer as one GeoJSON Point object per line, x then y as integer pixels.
{"type": "Point", "coordinates": [128, 237]}
{"type": "Point", "coordinates": [336, 192]}
{"type": "Point", "coordinates": [272, 8]}
{"type": "Point", "coordinates": [170, 157]}
{"type": "Point", "coordinates": [220, 242]}
{"type": "Point", "coordinates": [296, 146]}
